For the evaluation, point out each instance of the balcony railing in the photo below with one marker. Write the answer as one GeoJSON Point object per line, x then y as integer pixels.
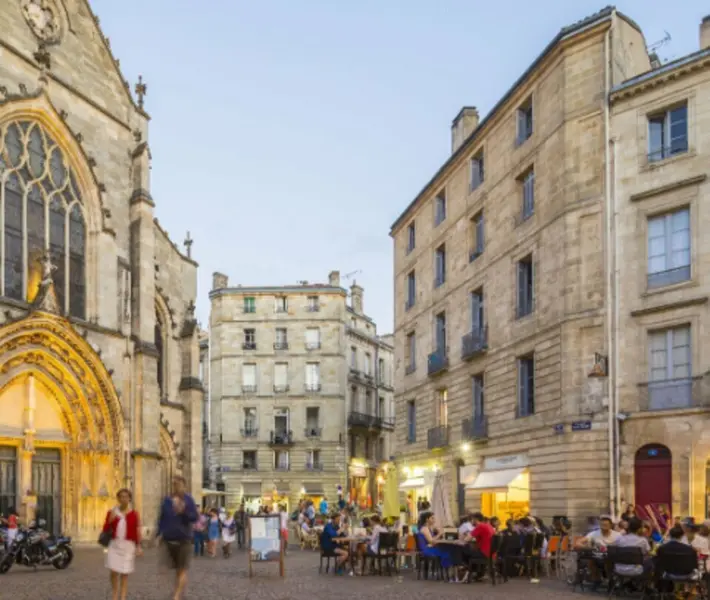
{"type": "Point", "coordinates": [354, 373]}
{"type": "Point", "coordinates": [314, 466]}
{"type": "Point", "coordinates": [438, 437]}
{"type": "Point", "coordinates": [249, 345]}
{"type": "Point", "coordinates": [388, 424]}
{"type": "Point", "coordinates": [313, 387]}
{"type": "Point", "coordinates": [249, 389]}
{"type": "Point", "coordinates": [358, 419]}
{"type": "Point", "coordinates": [282, 467]}
{"type": "Point", "coordinates": [313, 307]}
{"type": "Point", "coordinates": [672, 394]}
{"type": "Point", "coordinates": [474, 429]}
{"type": "Point", "coordinates": [313, 432]}
{"type": "Point", "coordinates": [475, 342]}
{"type": "Point", "coordinates": [281, 438]}
{"type": "Point", "coordinates": [250, 432]}
{"type": "Point", "coordinates": [280, 345]}
{"type": "Point", "coordinates": [438, 362]}
{"type": "Point", "coordinates": [312, 345]}
{"type": "Point", "coordinates": [249, 467]}
{"type": "Point", "coordinates": [281, 388]}
{"type": "Point", "coordinates": [410, 368]}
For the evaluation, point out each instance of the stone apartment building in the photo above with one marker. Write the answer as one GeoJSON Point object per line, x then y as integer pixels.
{"type": "Point", "coordinates": [500, 292]}
{"type": "Point", "coordinates": [661, 152]}
{"type": "Point", "coordinates": [279, 409]}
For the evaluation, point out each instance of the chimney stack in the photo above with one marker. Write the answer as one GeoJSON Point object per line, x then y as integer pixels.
{"type": "Point", "coordinates": [334, 278]}
{"type": "Point", "coordinates": [356, 293]}
{"type": "Point", "coordinates": [219, 281]}
{"type": "Point", "coordinates": [705, 33]}
{"type": "Point", "coordinates": [462, 126]}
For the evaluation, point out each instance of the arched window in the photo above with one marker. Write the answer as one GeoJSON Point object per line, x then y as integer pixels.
{"type": "Point", "coordinates": [42, 209]}
{"type": "Point", "coordinates": [160, 347]}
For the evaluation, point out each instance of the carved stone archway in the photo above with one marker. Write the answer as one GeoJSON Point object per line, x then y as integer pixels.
{"type": "Point", "coordinates": [46, 348]}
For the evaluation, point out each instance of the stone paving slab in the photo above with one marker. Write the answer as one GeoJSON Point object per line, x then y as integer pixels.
{"type": "Point", "coordinates": [221, 579]}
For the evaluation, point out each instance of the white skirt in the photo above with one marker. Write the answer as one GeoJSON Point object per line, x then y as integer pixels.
{"type": "Point", "coordinates": [121, 556]}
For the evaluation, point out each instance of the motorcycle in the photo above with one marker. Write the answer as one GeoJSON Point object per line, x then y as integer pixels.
{"type": "Point", "coordinates": [34, 547]}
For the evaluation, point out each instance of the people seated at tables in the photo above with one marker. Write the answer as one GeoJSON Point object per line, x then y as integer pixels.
{"type": "Point", "coordinates": [673, 547]}
{"type": "Point", "coordinates": [634, 539]}
{"type": "Point", "coordinates": [482, 534]}
{"type": "Point", "coordinates": [427, 540]}
{"type": "Point", "coordinates": [465, 528]}
{"type": "Point", "coordinates": [600, 538]}
{"type": "Point", "coordinates": [329, 542]}
{"type": "Point", "coordinates": [495, 523]}
{"type": "Point", "coordinates": [373, 541]}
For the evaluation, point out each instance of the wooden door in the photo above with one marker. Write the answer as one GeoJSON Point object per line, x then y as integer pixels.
{"type": "Point", "coordinates": [653, 476]}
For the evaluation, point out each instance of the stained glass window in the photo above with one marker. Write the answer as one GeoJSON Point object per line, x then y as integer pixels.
{"type": "Point", "coordinates": [42, 208]}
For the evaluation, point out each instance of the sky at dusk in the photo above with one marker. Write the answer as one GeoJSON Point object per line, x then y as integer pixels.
{"type": "Point", "coordinates": [288, 135]}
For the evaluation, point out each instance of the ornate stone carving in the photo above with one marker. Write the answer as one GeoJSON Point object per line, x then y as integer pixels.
{"type": "Point", "coordinates": [43, 18]}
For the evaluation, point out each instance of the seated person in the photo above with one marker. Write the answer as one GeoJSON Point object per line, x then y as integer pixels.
{"type": "Point", "coordinates": [427, 540]}
{"type": "Point", "coordinates": [373, 545]}
{"type": "Point", "coordinates": [465, 528]}
{"type": "Point", "coordinates": [673, 547]}
{"type": "Point", "coordinates": [598, 540]}
{"type": "Point", "coordinates": [328, 543]}
{"type": "Point", "coordinates": [633, 539]}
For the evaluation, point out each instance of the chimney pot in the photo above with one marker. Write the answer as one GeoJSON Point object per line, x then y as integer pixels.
{"type": "Point", "coordinates": [334, 278]}
{"type": "Point", "coordinates": [463, 124]}
{"type": "Point", "coordinates": [356, 298]}
{"type": "Point", "coordinates": [705, 33]}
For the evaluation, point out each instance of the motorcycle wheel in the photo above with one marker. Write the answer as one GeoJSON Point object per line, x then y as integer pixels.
{"type": "Point", "coordinates": [5, 565]}
{"type": "Point", "coordinates": [65, 561]}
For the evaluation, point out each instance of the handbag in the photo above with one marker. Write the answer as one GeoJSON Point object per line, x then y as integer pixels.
{"type": "Point", "coordinates": [105, 538]}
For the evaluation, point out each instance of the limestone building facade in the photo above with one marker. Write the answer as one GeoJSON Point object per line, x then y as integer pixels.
{"type": "Point", "coordinates": [661, 152]}
{"type": "Point", "coordinates": [280, 411]}
{"type": "Point", "coordinates": [99, 383]}
{"type": "Point", "coordinates": [500, 292]}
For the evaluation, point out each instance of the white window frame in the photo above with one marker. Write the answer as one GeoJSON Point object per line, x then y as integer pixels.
{"type": "Point", "coordinates": [676, 242]}
{"type": "Point", "coordinates": [669, 146]}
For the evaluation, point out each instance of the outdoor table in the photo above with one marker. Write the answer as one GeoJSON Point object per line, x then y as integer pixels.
{"type": "Point", "coordinates": [353, 542]}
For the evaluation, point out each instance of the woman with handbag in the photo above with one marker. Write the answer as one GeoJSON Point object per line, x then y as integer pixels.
{"type": "Point", "coordinates": [121, 537]}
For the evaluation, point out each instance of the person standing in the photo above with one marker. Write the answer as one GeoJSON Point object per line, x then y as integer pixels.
{"type": "Point", "coordinates": [12, 525]}
{"type": "Point", "coordinates": [124, 526]}
{"type": "Point", "coordinates": [229, 534]}
{"type": "Point", "coordinates": [240, 521]}
{"type": "Point", "coordinates": [283, 516]}
{"type": "Point", "coordinates": [177, 515]}
{"type": "Point", "coordinates": [213, 528]}
{"type": "Point", "coordinates": [324, 506]}
{"type": "Point", "coordinates": [198, 532]}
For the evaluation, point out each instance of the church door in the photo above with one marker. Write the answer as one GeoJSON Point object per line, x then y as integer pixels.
{"type": "Point", "coordinates": [8, 482]}
{"type": "Point", "coordinates": [47, 484]}
{"type": "Point", "coordinates": [653, 476]}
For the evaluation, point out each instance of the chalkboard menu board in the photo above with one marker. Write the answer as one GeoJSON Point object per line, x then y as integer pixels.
{"type": "Point", "coordinates": [265, 543]}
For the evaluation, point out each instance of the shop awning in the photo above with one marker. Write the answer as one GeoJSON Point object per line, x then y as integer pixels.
{"type": "Point", "coordinates": [313, 489]}
{"type": "Point", "coordinates": [251, 489]}
{"type": "Point", "coordinates": [414, 482]}
{"type": "Point", "coordinates": [282, 488]}
{"type": "Point", "coordinates": [495, 481]}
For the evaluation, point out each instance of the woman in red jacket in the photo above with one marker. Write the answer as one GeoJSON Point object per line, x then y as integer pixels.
{"type": "Point", "coordinates": [124, 525]}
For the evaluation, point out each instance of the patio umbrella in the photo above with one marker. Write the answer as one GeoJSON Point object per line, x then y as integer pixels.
{"type": "Point", "coordinates": [440, 504]}
{"type": "Point", "coordinates": [390, 506]}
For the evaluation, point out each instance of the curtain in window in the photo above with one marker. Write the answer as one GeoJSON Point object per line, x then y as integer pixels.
{"type": "Point", "coordinates": [38, 184]}
{"type": "Point", "coordinates": [281, 374]}
{"type": "Point", "coordinates": [312, 374]}
{"type": "Point", "coordinates": [249, 375]}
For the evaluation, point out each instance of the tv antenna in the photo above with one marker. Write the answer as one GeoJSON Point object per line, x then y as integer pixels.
{"type": "Point", "coordinates": [652, 48]}
{"type": "Point", "coordinates": [351, 274]}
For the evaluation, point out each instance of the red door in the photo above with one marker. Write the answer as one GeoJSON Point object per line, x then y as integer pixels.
{"type": "Point", "coordinates": [653, 476]}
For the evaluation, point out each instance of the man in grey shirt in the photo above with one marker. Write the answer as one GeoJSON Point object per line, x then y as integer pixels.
{"type": "Point", "coordinates": [633, 540]}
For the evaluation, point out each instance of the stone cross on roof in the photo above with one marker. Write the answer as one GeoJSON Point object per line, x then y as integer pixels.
{"type": "Point", "coordinates": [141, 90]}
{"type": "Point", "coordinates": [188, 245]}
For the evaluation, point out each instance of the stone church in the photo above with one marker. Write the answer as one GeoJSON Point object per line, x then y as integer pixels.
{"type": "Point", "coordinates": [99, 353]}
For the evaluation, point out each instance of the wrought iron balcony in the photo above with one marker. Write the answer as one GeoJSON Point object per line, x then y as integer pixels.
{"type": "Point", "coordinates": [475, 429]}
{"type": "Point", "coordinates": [313, 387]}
{"type": "Point", "coordinates": [314, 466]}
{"type": "Point", "coordinates": [388, 424]}
{"type": "Point", "coordinates": [281, 388]}
{"type": "Point", "coordinates": [474, 342]}
{"type": "Point", "coordinates": [249, 432]}
{"type": "Point", "coordinates": [358, 419]}
{"type": "Point", "coordinates": [313, 432]}
{"type": "Point", "coordinates": [438, 437]}
{"type": "Point", "coordinates": [249, 345]}
{"type": "Point", "coordinates": [313, 307]}
{"type": "Point", "coordinates": [354, 373]}
{"type": "Point", "coordinates": [673, 394]}
{"type": "Point", "coordinates": [438, 362]}
{"type": "Point", "coordinates": [280, 345]}
{"type": "Point", "coordinates": [249, 467]}
{"type": "Point", "coordinates": [281, 438]}
{"type": "Point", "coordinates": [282, 467]}
{"type": "Point", "coordinates": [249, 389]}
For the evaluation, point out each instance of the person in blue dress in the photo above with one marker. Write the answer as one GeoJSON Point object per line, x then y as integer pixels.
{"type": "Point", "coordinates": [426, 538]}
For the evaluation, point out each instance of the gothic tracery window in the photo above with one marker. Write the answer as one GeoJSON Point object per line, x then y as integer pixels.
{"type": "Point", "coordinates": [43, 210]}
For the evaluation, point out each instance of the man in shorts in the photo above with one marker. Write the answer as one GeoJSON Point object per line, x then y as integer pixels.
{"type": "Point", "coordinates": [178, 513]}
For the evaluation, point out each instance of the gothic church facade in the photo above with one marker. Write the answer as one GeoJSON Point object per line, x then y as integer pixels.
{"type": "Point", "coordinates": [99, 355]}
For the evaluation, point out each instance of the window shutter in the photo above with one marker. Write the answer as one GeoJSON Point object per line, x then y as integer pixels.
{"type": "Point", "coordinates": [475, 311]}
{"type": "Point", "coordinates": [521, 287]}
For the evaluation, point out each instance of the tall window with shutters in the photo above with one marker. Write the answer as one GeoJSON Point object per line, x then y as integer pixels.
{"type": "Point", "coordinates": [411, 421]}
{"type": "Point", "coordinates": [526, 386]}
{"type": "Point", "coordinates": [669, 248]}
{"type": "Point", "coordinates": [281, 377]}
{"type": "Point", "coordinates": [525, 285]}
{"type": "Point", "coordinates": [249, 377]}
{"type": "Point", "coordinates": [312, 338]}
{"type": "Point", "coordinates": [313, 377]}
{"type": "Point", "coordinates": [42, 210]}
{"type": "Point", "coordinates": [478, 405]}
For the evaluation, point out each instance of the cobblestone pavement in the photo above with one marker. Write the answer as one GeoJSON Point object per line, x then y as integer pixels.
{"type": "Point", "coordinates": [219, 579]}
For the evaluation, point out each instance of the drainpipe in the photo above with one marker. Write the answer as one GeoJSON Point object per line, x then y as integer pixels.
{"type": "Point", "coordinates": [610, 300]}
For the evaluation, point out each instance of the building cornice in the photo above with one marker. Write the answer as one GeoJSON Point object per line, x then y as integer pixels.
{"type": "Point", "coordinates": [669, 187]}
{"type": "Point", "coordinates": [278, 291]}
{"type": "Point", "coordinates": [649, 310]}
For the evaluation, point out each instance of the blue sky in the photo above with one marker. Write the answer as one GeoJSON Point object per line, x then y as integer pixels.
{"type": "Point", "coordinates": [288, 135]}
